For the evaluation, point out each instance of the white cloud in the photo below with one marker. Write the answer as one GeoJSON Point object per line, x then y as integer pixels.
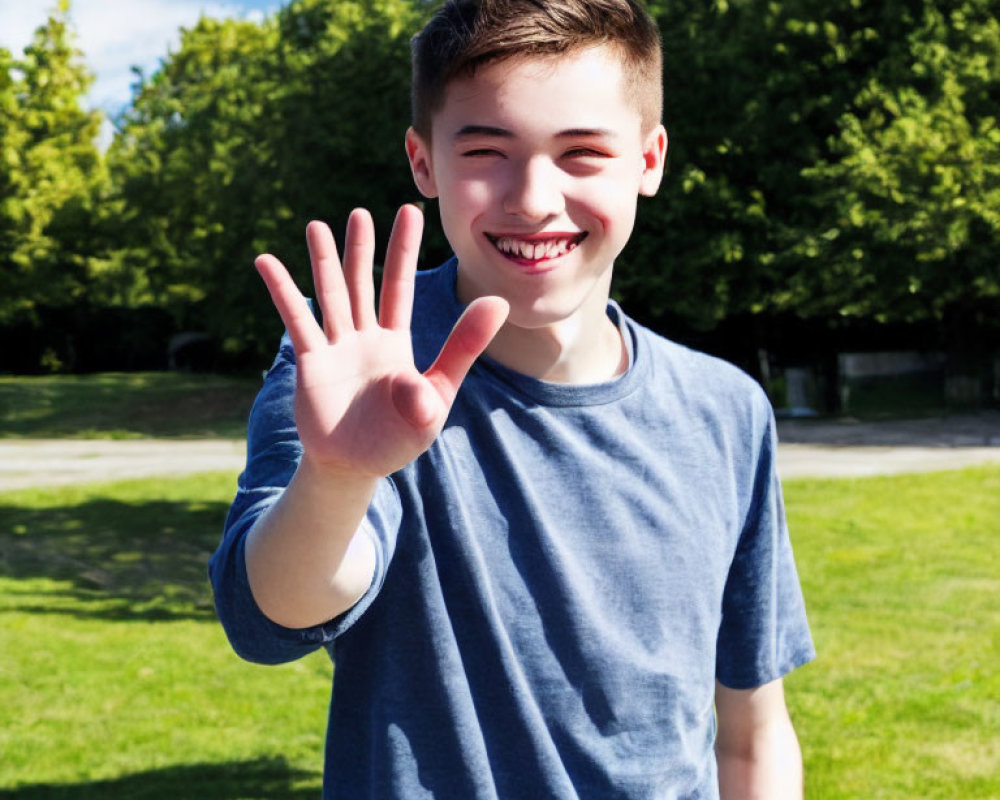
{"type": "Point", "coordinates": [117, 34]}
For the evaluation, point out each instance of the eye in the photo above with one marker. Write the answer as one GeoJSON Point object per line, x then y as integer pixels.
{"type": "Point", "coordinates": [585, 152]}
{"type": "Point", "coordinates": [481, 152]}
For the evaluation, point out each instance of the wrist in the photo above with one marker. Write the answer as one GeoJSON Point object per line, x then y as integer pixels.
{"type": "Point", "coordinates": [312, 472]}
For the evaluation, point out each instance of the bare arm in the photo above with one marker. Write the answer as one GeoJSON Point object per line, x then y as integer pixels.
{"type": "Point", "coordinates": [362, 411]}
{"type": "Point", "coordinates": [756, 747]}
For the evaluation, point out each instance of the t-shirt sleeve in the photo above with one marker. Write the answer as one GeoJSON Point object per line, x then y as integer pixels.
{"type": "Point", "coordinates": [273, 454]}
{"type": "Point", "coordinates": [764, 632]}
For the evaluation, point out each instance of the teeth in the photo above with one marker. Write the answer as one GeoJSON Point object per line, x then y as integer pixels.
{"type": "Point", "coordinates": [533, 251]}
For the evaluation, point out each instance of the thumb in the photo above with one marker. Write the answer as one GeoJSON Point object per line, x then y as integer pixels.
{"type": "Point", "coordinates": [416, 402]}
{"type": "Point", "coordinates": [471, 335]}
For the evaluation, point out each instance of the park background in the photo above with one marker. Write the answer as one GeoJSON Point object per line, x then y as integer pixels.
{"type": "Point", "coordinates": [832, 187]}
{"type": "Point", "coordinates": [832, 195]}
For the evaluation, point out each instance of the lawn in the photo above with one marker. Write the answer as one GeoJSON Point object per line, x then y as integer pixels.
{"type": "Point", "coordinates": [116, 681]}
{"type": "Point", "coordinates": [115, 678]}
{"type": "Point", "coordinates": [902, 583]}
{"type": "Point", "coordinates": [126, 405]}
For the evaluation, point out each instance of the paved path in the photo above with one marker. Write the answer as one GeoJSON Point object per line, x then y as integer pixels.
{"type": "Point", "coordinates": [843, 448]}
{"type": "Point", "coordinates": [831, 461]}
{"type": "Point", "coordinates": [26, 463]}
{"type": "Point", "coordinates": [808, 449]}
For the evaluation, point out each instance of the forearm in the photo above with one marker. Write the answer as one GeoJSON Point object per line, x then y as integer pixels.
{"type": "Point", "coordinates": [767, 768]}
{"type": "Point", "coordinates": [306, 561]}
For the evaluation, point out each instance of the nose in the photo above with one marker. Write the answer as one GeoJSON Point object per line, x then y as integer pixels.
{"type": "Point", "coordinates": [534, 191]}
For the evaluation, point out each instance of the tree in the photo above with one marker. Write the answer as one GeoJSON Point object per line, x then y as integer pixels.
{"type": "Point", "coordinates": [913, 177]}
{"type": "Point", "coordinates": [50, 170]}
{"type": "Point", "coordinates": [191, 166]}
{"type": "Point", "coordinates": [246, 133]}
{"type": "Point", "coordinates": [828, 160]}
{"type": "Point", "coordinates": [12, 296]}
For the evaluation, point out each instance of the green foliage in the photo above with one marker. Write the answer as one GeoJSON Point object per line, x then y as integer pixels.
{"type": "Point", "coordinates": [186, 162]}
{"type": "Point", "coordinates": [913, 182]}
{"type": "Point", "coordinates": [50, 170]}
{"type": "Point", "coordinates": [826, 159]}
{"type": "Point", "coordinates": [246, 133]}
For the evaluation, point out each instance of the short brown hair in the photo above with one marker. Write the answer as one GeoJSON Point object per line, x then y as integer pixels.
{"type": "Point", "coordinates": [464, 35]}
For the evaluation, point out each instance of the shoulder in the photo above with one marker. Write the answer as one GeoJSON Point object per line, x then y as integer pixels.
{"type": "Point", "coordinates": [709, 398]}
{"type": "Point", "coordinates": [696, 376]}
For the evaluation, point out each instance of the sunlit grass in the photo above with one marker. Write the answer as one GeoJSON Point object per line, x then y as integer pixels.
{"type": "Point", "coordinates": [116, 681]}
{"type": "Point", "coordinates": [902, 584]}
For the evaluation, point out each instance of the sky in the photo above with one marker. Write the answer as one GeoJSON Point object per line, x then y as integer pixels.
{"type": "Point", "coordinates": [117, 34]}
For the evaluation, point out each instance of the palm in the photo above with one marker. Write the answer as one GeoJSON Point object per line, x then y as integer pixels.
{"type": "Point", "coordinates": [344, 408]}
{"type": "Point", "coordinates": [360, 403]}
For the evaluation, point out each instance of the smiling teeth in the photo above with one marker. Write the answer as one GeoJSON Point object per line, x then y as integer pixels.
{"type": "Point", "coordinates": [533, 251]}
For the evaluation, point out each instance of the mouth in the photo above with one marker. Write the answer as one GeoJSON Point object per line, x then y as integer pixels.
{"type": "Point", "coordinates": [537, 248]}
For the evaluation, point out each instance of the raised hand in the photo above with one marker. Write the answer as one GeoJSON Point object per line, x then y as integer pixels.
{"type": "Point", "coordinates": [361, 406]}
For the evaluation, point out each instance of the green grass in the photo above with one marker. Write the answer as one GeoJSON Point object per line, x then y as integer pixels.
{"type": "Point", "coordinates": [116, 681]}
{"type": "Point", "coordinates": [115, 678]}
{"type": "Point", "coordinates": [902, 584]}
{"type": "Point", "coordinates": [126, 405]}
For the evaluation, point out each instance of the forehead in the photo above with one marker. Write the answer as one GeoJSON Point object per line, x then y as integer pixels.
{"type": "Point", "coordinates": [581, 89]}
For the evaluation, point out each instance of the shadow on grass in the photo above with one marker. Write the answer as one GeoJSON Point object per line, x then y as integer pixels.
{"type": "Point", "coordinates": [261, 779]}
{"type": "Point", "coordinates": [128, 405]}
{"type": "Point", "coordinates": [113, 559]}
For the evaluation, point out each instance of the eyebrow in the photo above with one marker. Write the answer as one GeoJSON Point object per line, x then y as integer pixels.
{"type": "Point", "coordinates": [575, 133]}
{"type": "Point", "coordinates": [469, 131]}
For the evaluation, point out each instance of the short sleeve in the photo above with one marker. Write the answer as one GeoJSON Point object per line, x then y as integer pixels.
{"type": "Point", "coordinates": [273, 454]}
{"type": "Point", "coordinates": [764, 632]}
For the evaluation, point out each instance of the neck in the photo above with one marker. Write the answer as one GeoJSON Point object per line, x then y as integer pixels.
{"type": "Point", "coordinates": [572, 351]}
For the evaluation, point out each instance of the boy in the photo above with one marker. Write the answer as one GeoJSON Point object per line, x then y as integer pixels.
{"type": "Point", "coordinates": [545, 547]}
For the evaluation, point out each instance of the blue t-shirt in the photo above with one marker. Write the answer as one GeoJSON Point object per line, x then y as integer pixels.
{"type": "Point", "coordinates": [560, 580]}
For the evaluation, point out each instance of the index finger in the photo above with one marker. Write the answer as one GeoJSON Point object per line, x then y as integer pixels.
{"type": "Point", "coordinates": [396, 306]}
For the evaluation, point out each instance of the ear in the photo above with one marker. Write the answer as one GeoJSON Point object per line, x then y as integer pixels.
{"type": "Point", "coordinates": [419, 153]}
{"type": "Point", "coordinates": [654, 157]}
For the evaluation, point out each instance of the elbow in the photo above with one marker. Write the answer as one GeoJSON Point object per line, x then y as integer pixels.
{"type": "Point", "coordinates": [756, 749]}
{"type": "Point", "coordinates": [767, 766]}
{"type": "Point", "coordinates": [257, 639]}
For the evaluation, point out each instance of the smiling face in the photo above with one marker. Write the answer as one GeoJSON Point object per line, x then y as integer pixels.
{"type": "Point", "coordinates": [537, 163]}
